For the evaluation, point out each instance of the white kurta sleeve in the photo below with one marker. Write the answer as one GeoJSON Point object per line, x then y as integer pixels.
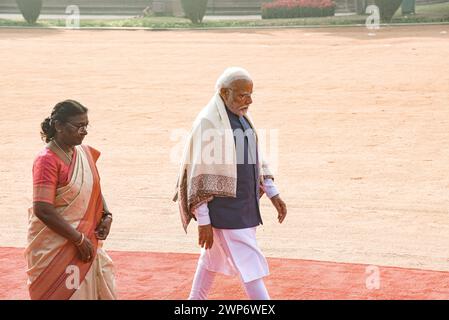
{"type": "Point", "coordinates": [202, 214]}
{"type": "Point", "coordinates": [269, 188]}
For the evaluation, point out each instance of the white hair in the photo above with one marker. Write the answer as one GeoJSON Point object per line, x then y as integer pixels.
{"type": "Point", "coordinates": [230, 75]}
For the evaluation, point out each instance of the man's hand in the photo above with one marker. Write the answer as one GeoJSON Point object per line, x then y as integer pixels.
{"type": "Point", "coordinates": [280, 207]}
{"type": "Point", "coordinates": [205, 236]}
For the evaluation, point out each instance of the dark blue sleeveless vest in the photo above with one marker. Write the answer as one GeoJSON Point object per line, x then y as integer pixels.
{"type": "Point", "coordinates": [243, 211]}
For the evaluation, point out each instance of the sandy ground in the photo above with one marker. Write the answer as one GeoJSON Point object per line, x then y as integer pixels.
{"type": "Point", "coordinates": [363, 132]}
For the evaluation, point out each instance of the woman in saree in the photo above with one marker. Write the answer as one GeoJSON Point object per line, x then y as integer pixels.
{"type": "Point", "coordinates": [69, 219]}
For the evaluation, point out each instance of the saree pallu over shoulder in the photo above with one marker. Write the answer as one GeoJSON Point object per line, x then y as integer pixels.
{"type": "Point", "coordinates": [54, 269]}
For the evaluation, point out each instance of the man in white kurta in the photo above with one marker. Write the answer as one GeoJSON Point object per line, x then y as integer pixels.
{"type": "Point", "coordinates": [222, 193]}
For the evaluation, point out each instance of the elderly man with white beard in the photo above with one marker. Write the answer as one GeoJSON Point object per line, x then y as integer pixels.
{"type": "Point", "coordinates": [221, 180]}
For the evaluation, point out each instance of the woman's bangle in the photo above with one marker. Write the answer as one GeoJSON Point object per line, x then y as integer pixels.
{"type": "Point", "coordinates": [80, 242]}
{"type": "Point", "coordinates": [107, 214]}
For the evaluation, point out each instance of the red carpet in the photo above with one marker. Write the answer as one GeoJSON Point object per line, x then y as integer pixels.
{"type": "Point", "coordinates": [148, 275]}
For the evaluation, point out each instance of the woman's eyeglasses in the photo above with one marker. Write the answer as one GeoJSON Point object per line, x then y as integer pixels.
{"type": "Point", "coordinates": [84, 127]}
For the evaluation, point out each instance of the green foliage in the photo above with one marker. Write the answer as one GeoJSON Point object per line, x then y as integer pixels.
{"type": "Point", "coordinates": [431, 13]}
{"type": "Point", "coordinates": [387, 8]}
{"type": "Point", "coordinates": [298, 12]}
{"type": "Point", "coordinates": [194, 9]}
{"type": "Point", "coordinates": [30, 9]}
{"type": "Point", "coordinates": [287, 9]}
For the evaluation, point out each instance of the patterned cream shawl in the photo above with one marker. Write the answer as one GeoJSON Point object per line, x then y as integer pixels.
{"type": "Point", "coordinates": [208, 165]}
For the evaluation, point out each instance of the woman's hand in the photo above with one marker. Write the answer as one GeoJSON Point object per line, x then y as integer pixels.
{"type": "Point", "coordinates": [52, 219]}
{"type": "Point", "coordinates": [103, 228]}
{"type": "Point", "coordinates": [85, 250]}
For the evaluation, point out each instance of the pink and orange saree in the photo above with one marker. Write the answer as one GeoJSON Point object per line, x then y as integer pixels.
{"type": "Point", "coordinates": [54, 269]}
